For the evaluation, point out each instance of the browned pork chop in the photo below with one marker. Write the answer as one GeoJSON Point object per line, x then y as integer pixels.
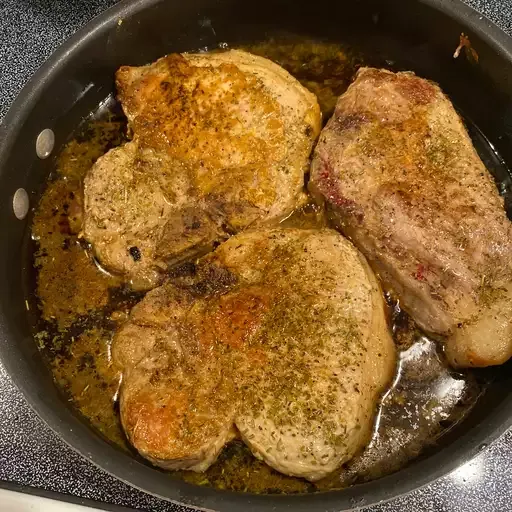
{"type": "Point", "coordinates": [401, 178]}
{"type": "Point", "coordinates": [221, 141]}
{"type": "Point", "coordinates": [281, 333]}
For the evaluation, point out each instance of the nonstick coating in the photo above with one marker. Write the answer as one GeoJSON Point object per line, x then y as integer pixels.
{"type": "Point", "coordinates": [406, 34]}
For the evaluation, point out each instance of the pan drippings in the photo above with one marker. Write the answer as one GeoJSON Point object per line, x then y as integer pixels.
{"type": "Point", "coordinates": [80, 305]}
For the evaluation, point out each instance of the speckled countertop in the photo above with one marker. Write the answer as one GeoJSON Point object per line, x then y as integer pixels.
{"type": "Point", "coordinates": [32, 456]}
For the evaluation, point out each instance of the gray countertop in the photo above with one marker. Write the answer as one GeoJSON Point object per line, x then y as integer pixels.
{"type": "Point", "coordinates": [32, 455]}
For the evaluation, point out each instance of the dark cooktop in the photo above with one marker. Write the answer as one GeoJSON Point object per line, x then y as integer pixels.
{"type": "Point", "coordinates": [34, 459]}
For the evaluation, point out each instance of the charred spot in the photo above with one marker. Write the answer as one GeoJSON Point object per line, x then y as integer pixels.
{"type": "Point", "coordinates": [135, 253]}
{"type": "Point", "coordinates": [222, 277]}
{"type": "Point", "coordinates": [196, 224]}
{"type": "Point", "coordinates": [200, 288]}
{"type": "Point", "coordinates": [212, 280]}
{"type": "Point", "coordinates": [308, 131]}
{"type": "Point", "coordinates": [66, 244]}
{"type": "Point", "coordinates": [188, 268]}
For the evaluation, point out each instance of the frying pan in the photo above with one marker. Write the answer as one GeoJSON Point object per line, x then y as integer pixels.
{"type": "Point", "coordinates": [420, 35]}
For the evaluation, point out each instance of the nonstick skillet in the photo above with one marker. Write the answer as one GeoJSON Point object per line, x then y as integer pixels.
{"type": "Point", "coordinates": [417, 35]}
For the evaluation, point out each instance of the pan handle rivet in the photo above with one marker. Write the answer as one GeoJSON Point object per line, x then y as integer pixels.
{"type": "Point", "coordinates": [44, 143]}
{"type": "Point", "coordinates": [20, 203]}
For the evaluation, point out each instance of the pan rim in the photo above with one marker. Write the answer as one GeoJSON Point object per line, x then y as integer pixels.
{"type": "Point", "coordinates": [127, 469]}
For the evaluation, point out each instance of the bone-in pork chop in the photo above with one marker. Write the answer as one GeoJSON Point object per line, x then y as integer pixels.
{"type": "Point", "coordinates": [402, 179]}
{"type": "Point", "coordinates": [220, 141]}
{"type": "Point", "coordinates": [280, 333]}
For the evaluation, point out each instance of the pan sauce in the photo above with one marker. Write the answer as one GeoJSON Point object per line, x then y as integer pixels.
{"type": "Point", "coordinates": [80, 305]}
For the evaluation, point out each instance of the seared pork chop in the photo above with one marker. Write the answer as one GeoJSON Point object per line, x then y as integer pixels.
{"type": "Point", "coordinates": [281, 333]}
{"type": "Point", "coordinates": [401, 178]}
{"type": "Point", "coordinates": [220, 141]}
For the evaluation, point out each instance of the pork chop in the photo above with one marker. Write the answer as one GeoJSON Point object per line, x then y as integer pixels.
{"type": "Point", "coordinates": [221, 141]}
{"type": "Point", "coordinates": [403, 181]}
{"type": "Point", "coordinates": [280, 333]}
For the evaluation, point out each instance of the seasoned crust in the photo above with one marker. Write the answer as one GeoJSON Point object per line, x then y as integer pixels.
{"type": "Point", "coordinates": [281, 333]}
{"type": "Point", "coordinates": [402, 179]}
{"type": "Point", "coordinates": [220, 142]}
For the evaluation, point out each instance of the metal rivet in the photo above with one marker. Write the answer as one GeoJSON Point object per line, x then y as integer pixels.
{"type": "Point", "coordinates": [20, 203]}
{"type": "Point", "coordinates": [44, 143]}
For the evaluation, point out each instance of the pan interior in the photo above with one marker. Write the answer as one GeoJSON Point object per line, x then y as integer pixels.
{"type": "Point", "coordinates": [73, 304]}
